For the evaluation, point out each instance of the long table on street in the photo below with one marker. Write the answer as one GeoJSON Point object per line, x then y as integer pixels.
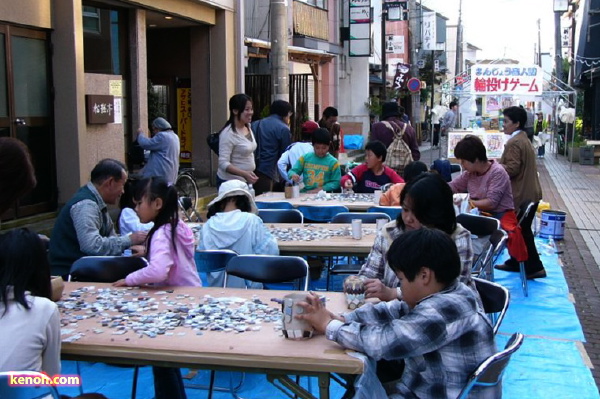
{"type": "Point", "coordinates": [354, 202]}
{"type": "Point", "coordinates": [322, 239]}
{"type": "Point", "coordinates": [119, 325]}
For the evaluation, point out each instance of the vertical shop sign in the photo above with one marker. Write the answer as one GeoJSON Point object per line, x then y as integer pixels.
{"type": "Point", "coordinates": [184, 123]}
{"type": "Point", "coordinates": [360, 28]}
{"type": "Point", "coordinates": [429, 33]}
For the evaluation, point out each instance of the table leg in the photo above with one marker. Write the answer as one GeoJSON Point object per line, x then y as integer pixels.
{"type": "Point", "coordinates": [324, 385]}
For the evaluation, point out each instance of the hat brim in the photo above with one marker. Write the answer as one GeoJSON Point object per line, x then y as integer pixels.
{"type": "Point", "coordinates": [235, 193]}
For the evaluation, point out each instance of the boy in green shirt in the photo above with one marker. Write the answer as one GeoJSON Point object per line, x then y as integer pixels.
{"type": "Point", "coordinates": [319, 169]}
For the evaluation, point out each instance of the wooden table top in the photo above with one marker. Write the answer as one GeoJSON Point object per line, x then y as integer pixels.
{"type": "Point", "coordinates": [334, 245]}
{"type": "Point", "coordinates": [262, 349]}
{"type": "Point", "coordinates": [309, 199]}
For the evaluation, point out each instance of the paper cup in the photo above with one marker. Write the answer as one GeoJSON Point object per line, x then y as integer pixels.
{"type": "Point", "coordinates": [356, 229]}
{"type": "Point", "coordinates": [295, 191]}
{"type": "Point", "coordinates": [58, 286]}
{"type": "Point", "coordinates": [381, 223]}
{"type": "Point", "coordinates": [377, 197]}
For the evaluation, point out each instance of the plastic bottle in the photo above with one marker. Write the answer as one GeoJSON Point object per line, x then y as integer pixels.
{"type": "Point", "coordinates": [251, 189]}
{"type": "Point", "coordinates": [549, 246]}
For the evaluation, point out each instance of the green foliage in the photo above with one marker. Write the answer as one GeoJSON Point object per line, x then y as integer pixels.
{"type": "Point", "coordinates": [374, 105]}
{"type": "Point", "coordinates": [153, 104]}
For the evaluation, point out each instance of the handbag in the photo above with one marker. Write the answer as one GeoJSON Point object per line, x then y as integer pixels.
{"type": "Point", "coordinates": [213, 142]}
{"type": "Point", "coordinates": [399, 154]}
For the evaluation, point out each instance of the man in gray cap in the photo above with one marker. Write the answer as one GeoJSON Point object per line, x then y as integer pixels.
{"type": "Point", "coordinates": [164, 151]}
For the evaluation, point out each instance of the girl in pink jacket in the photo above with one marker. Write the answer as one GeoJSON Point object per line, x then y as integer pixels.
{"type": "Point", "coordinates": [170, 254]}
{"type": "Point", "coordinates": [170, 243]}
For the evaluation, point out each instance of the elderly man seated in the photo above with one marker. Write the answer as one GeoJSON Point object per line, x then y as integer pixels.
{"type": "Point", "coordinates": [83, 227]}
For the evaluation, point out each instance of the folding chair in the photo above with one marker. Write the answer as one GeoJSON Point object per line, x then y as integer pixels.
{"type": "Point", "coordinates": [268, 269]}
{"type": "Point", "coordinates": [106, 269]}
{"type": "Point", "coordinates": [25, 391]}
{"type": "Point", "coordinates": [274, 205]}
{"type": "Point", "coordinates": [321, 214]}
{"type": "Point", "coordinates": [524, 213]}
{"type": "Point", "coordinates": [369, 217]}
{"type": "Point", "coordinates": [489, 372]}
{"type": "Point", "coordinates": [481, 227]}
{"type": "Point", "coordinates": [212, 262]}
{"type": "Point", "coordinates": [495, 299]}
{"type": "Point", "coordinates": [281, 216]}
{"type": "Point", "coordinates": [392, 211]}
{"type": "Point", "coordinates": [483, 267]}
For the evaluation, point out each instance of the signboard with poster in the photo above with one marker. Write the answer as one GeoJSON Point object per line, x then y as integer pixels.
{"type": "Point", "coordinates": [513, 79]}
{"type": "Point", "coordinates": [493, 142]}
{"type": "Point", "coordinates": [184, 123]}
{"type": "Point", "coordinates": [360, 28]}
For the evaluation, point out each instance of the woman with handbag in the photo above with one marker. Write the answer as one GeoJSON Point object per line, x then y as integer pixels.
{"type": "Point", "coordinates": [237, 143]}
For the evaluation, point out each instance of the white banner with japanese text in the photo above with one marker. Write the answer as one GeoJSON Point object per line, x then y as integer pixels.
{"type": "Point", "coordinates": [429, 33]}
{"type": "Point", "coordinates": [491, 79]}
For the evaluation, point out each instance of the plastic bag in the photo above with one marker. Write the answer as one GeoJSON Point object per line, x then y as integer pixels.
{"type": "Point", "coordinates": [353, 142]}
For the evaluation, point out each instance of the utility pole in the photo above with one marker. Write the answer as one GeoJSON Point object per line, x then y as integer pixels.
{"type": "Point", "coordinates": [414, 30]}
{"type": "Point", "coordinates": [279, 51]}
{"type": "Point", "coordinates": [459, 42]}
{"type": "Point", "coordinates": [383, 94]}
{"type": "Point", "coordinates": [539, 53]}
{"type": "Point", "coordinates": [557, 46]}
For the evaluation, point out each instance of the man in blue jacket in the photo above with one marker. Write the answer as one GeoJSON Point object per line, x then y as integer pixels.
{"type": "Point", "coordinates": [273, 136]}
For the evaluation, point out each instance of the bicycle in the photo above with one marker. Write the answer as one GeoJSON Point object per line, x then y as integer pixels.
{"type": "Point", "coordinates": [187, 190]}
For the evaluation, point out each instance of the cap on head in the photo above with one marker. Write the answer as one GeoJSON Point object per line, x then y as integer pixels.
{"type": "Point", "coordinates": [161, 124]}
{"type": "Point", "coordinates": [309, 127]}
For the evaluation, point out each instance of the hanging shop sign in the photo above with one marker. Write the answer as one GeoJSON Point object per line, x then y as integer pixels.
{"type": "Point", "coordinates": [491, 79]}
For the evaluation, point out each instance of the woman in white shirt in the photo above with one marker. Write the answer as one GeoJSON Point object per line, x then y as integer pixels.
{"type": "Point", "coordinates": [129, 221]}
{"type": "Point", "coordinates": [237, 143]}
{"type": "Point", "coordinates": [29, 320]}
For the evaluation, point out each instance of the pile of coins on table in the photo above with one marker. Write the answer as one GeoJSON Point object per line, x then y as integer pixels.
{"type": "Point", "coordinates": [353, 197]}
{"type": "Point", "coordinates": [119, 310]}
{"type": "Point", "coordinates": [313, 232]}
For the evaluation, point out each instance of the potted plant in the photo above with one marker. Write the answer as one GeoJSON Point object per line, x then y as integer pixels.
{"type": "Point", "coordinates": [578, 143]}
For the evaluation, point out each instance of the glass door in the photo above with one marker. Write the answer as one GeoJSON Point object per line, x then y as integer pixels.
{"type": "Point", "coordinates": [26, 110]}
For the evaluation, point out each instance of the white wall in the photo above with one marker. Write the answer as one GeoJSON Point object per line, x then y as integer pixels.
{"type": "Point", "coordinates": [354, 91]}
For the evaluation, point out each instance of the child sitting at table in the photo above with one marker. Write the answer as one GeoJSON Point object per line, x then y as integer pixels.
{"type": "Point", "coordinates": [372, 174]}
{"type": "Point", "coordinates": [29, 320]}
{"type": "Point", "coordinates": [437, 328]}
{"type": "Point", "coordinates": [170, 254]}
{"type": "Point", "coordinates": [129, 221]}
{"type": "Point", "coordinates": [319, 169]}
{"type": "Point", "coordinates": [233, 224]}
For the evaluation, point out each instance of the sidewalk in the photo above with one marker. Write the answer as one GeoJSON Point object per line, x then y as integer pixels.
{"type": "Point", "coordinates": [577, 191]}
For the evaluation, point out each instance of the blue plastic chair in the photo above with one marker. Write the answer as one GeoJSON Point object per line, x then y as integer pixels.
{"type": "Point", "coordinates": [321, 214]}
{"type": "Point", "coordinates": [274, 205]}
{"type": "Point", "coordinates": [281, 216]}
{"type": "Point", "coordinates": [392, 211]}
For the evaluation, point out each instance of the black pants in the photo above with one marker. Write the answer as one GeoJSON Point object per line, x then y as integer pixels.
{"type": "Point", "coordinates": [168, 383]}
{"type": "Point", "coordinates": [263, 184]}
{"type": "Point", "coordinates": [436, 134]}
{"type": "Point", "coordinates": [533, 263]}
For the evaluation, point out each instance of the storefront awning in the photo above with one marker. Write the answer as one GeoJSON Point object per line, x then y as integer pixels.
{"type": "Point", "coordinates": [261, 49]}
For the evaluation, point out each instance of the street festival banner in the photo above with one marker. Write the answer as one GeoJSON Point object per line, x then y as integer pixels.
{"type": "Point", "coordinates": [508, 79]}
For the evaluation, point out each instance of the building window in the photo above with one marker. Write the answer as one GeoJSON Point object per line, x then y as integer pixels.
{"type": "Point", "coordinates": [104, 40]}
{"type": "Point", "coordinates": [91, 19]}
{"type": "Point", "coordinates": [316, 3]}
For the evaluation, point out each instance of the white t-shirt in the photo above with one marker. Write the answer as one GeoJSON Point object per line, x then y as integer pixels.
{"type": "Point", "coordinates": [30, 339]}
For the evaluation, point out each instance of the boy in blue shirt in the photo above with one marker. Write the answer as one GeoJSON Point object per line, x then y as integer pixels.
{"type": "Point", "coordinates": [319, 169]}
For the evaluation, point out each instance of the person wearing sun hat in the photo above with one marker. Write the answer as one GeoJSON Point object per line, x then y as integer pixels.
{"type": "Point", "coordinates": [164, 151]}
{"type": "Point", "coordinates": [233, 224]}
{"type": "Point", "coordinates": [295, 150]}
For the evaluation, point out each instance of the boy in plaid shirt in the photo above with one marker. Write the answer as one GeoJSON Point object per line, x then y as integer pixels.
{"type": "Point", "coordinates": [437, 329]}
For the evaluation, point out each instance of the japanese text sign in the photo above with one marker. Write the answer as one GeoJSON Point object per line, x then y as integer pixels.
{"type": "Point", "coordinates": [507, 79]}
{"type": "Point", "coordinates": [100, 109]}
{"type": "Point", "coordinates": [429, 33]}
